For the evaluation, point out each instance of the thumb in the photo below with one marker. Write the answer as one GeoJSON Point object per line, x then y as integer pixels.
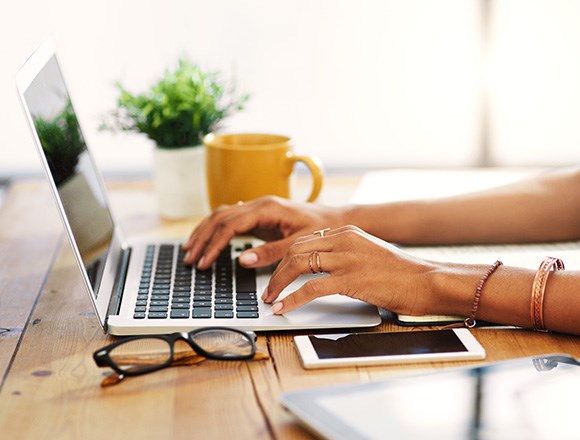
{"type": "Point", "coordinates": [266, 254]}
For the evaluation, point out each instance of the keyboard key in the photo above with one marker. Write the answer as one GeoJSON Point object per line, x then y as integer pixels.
{"type": "Point", "coordinates": [157, 315]}
{"type": "Point", "coordinates": [224, 307]}
{"type": "Point", "coordinates": [203, 312]}
{"type": "Point", "coordinates": [160, 291]}
{"type": "Point", "coordinates": [179, 306]}
{"type": "Point", "coordinates": [224, 314]}
{"type": "Point", "coordinates": [178, 294]}
{"type": "Point", "coordinates": [223, 295]}
{"type": "Point", "coordinates": [247, 315]}
{"type": "Point", "coordinates": [247, 308]}
{"type": "Point", "coordinates": [245, 278]}
{"type": "Point", "coordinates": [179, 313]}
{"type": "Point", "coordinates": [201, 303]}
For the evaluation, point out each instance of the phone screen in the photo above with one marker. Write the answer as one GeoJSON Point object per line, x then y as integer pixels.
{"type": "Point", "coordinates": [384, 344]}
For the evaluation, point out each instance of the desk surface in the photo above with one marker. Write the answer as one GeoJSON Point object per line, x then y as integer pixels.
{"type": "Point", "coordinates": [50, 386]}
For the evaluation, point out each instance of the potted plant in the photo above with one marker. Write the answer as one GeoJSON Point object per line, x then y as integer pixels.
{"type": "Point", "coordinates": [176, 113]}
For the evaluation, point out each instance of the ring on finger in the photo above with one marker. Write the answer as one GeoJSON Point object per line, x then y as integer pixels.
{"type": "Point", "coordinates": [321, 232]}
{"type": "Point", "coordinates": [314, 262]}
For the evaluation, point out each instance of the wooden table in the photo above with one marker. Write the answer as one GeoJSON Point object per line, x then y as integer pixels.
{"type": "Point", "coordinates": [50, 386]}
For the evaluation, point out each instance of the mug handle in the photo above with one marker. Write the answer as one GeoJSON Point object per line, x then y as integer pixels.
{"type": "Point", "coordinates": [315, 166]}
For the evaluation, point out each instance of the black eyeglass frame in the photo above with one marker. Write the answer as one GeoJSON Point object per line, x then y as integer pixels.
{"type": "Point", "coordinates": [103, 359]}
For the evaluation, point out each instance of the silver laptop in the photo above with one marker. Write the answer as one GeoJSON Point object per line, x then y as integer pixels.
{"type": "Point", "coordinates": [142, 287]}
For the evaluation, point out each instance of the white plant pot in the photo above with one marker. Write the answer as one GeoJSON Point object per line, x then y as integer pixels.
{"type": "Point", "coordinates": [179, 182]}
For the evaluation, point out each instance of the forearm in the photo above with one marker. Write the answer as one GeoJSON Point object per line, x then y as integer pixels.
{"type": "Point", "coordinates": [545, 208]}
{"type": "Point", "coordinates": [506, 296]}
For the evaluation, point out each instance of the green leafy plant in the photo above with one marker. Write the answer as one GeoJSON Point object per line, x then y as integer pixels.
{"type": "Point", "coordinates": [62, 142]}
{"type": "Point", "coordinates": [178, 110]}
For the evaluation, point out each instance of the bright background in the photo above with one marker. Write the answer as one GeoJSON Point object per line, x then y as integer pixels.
{"type": "Point", "coordinates": [363, 84]}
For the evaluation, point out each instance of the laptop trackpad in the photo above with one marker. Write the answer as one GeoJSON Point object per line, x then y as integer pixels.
{"type": "Point", "coordinates": [335, 309]}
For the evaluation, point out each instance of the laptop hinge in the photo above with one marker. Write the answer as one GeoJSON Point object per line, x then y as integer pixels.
{"type": "Point", "coordinates": [119, 286]}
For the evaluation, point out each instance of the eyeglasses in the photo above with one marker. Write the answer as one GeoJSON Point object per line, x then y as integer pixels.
{"type": "Point", "coordinates": [139, 355]}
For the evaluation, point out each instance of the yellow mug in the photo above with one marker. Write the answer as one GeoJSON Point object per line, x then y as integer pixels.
{"type": "Point", "coordinates": [245, 166]}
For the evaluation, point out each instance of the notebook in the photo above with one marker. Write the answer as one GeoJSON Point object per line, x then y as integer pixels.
{"type": "Point", "coordinates": [527, 398]}
{"type": "Point", "coordinates": [131, 293]}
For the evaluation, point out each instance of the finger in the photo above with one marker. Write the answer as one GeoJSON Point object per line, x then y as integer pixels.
{"type": "Point", "coordinates": [201, 235]}
{"type": "Point", "coordinates": [299, 254]}
{"type": "Point", "coordinates": [215, 230]}
{"type": "Point", "coordinates": [242, 220]}
{"type": "Point", "coordinates": [315, 237]}
{"type": "Point", "coordinates": [266, 254]}
{"type": "Point", "coordinates": [213, 218]}
{"type": "Point", "coordinates": [291, 267]}
{"type": "Point", "coordinates": [309, 291]}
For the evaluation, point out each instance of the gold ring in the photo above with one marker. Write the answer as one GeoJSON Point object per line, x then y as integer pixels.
{"type": "Point", "coordinates": [321, 232]}
{"type": "Point", "coordinates": [314, 257]}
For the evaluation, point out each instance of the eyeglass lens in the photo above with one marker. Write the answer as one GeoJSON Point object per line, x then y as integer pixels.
{"type": "Point", "coordinates": [223, 343]}
{"type": "Point", "coordinates": [140, 354]}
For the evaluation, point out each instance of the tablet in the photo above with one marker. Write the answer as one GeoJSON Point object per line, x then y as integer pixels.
{"type": "Point", "coordinates": [347, 349]}
{"type": "Point", "coordinates": [528, 399]}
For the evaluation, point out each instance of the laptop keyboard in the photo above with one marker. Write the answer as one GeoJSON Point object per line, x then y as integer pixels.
{"type": "Point", "coordinates": [170, 289]}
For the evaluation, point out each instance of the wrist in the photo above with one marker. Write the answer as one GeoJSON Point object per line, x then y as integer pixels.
{"type": "Point", "coordinates": [394, 222]}
{"type": "Point", "coordinates": [505, 297]}
{"type": "Point", "coordinates": [453, 288]}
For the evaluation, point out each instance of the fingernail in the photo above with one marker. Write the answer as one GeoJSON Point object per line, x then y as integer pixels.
{"type": "Point", "coordinates": [277, 307]}
{"type": "Point", "coordinates": [265, 294]}
{"type": "Point", "coordinates": [248, 258]}
{"type": "Point", "coordinates": [187, 256]}
{"type": "Point", "coordinates": [200, 262]}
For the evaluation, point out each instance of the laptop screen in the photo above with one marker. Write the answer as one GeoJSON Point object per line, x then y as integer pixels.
{"type": "Point", "coordinates": [70, 167]}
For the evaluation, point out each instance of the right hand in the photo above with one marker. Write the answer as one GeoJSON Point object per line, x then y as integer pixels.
{"type": "Point", "coordinates": [273, 219]}
{"type": "Point", "coordinates": [359, 266]}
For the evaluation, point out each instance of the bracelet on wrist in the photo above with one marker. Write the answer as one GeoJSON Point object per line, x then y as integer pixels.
{"type": "Point", "coordinates": [539, 289]}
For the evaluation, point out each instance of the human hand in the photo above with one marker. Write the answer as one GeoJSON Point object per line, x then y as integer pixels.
{"type": "Point", "coordinates": [360, 266]}
{"type": "Point", "coordinates": [275, 220]}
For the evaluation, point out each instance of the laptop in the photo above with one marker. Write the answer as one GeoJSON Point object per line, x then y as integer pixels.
{"type": "Point", "coordinates": [141, 286]}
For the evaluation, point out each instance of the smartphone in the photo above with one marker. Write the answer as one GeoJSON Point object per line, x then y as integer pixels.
{"type": "Point", "coordinates": [350, 349]}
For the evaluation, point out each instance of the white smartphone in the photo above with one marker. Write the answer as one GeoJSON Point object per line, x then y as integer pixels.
{"type": "Point", "coordinates": [348, 349]}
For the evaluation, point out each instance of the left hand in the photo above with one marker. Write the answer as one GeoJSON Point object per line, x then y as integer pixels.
{"type": "Point", "coordinates": [360, 266]}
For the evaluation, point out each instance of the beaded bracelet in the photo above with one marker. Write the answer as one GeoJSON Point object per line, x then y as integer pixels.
{"type": "Point", "coordinates": [538, 290]}
{"type": "Point", "coordinates": [470, 321]}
